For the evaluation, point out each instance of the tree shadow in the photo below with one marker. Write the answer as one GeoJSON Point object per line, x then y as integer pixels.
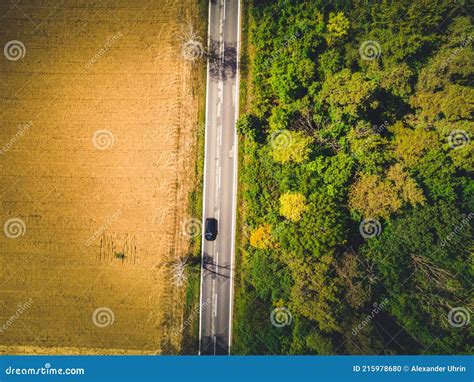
{"type": "Point", "coordinates": [210, 266]}
{"type": "Point", "coordinates": [222, 64]}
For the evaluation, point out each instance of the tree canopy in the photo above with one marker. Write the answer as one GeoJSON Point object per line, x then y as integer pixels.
{"type": "Point", "coordinates": [356, 177]}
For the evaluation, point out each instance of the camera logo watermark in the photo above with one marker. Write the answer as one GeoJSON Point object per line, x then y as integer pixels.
{"type": "Point", "coordinates": [14, 50]}
{"type": "Point", "coordinates": [370, 50]}
{"type": "Point", "coordinates": [369, 228]}
{"type": "Point", "coordinates": [280, 317]}
{"type": "Point", "coordinates": [103, 317]}
{"type": "Point", "coordinates": [103, 139]}
{"type": "Point", "coordinates": [14, 228]}
{"type": "Point", "coordinates": [191, 227]}
{"type": "Point", "coordinates": [459, 317]}
{"type": "Point", "coordinates": [457, 139]}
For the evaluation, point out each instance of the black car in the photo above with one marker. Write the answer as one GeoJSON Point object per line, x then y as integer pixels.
{"type": "Point", "coordinates": [210, 229]}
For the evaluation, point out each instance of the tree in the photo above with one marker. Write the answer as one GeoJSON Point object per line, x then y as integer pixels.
{"type": "Point", "coordinates": [409, 145]}
{"type": "Point", "coordinates": [292, 71]}
{"type": "Point", "coordinates": [374, 197]}
{"type": "Point", "coordinates": [406, 187]}
{"type": "Point", "coordinates": [352, 274]}
{"type": "Point", "coordinates": [280, 119]}
{"type": "Point", "coordinates": [314, 294]}
{"type": "Point", "coordinates": [262, 238]}
{"type": "Point", "coordinates": [369, 148]}
{"type": "Point", "coordinates": [348, 94]}
{"type": "Point", "coordinates": [249, 126]}
{"type": "Point", "coordinates": [329, 62]}
{"type": "Point", "coordinates": [436, 173]}
{"type": "Point", "coordinates": [402, 39]}
{"type": "Point", "coordinates": [449, 103]}
{"type": "Point", "coordinates": [269, 276]}
{"type": "Point", "coordinates": [424, 272]}
{"type": "Point", "coordinates": [290, 146]}
{"type": "Point", "coordinates": [337, 27]}
{"type": "Point", "coordinates": [452, 63]}
{"type": "Point", "coordinates": [321, 228]}
{"type": "Point", "coordinates": [443, 89]}
{"type": "Point", "coordinates": [319, 344]}
{"type": "Point", "coordinates": [397, 79]}
{"type": "Point", "coordinates": [292, 205]}
{"type": "Point", "coordinates": [356, 137]}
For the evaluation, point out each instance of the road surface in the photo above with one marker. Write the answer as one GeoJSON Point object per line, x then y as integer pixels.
{"type": "Point", "coordinates": [220, 177]}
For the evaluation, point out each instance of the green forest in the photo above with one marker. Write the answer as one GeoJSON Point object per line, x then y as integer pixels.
{"type": "Point", "coordinates": [356, 195]}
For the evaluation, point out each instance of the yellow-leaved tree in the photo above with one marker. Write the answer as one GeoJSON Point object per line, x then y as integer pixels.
{"type": "Point", "coordinates": [292, 205]}
{"type": "Point", "coordinates": [262, 237]}
{"type": "Point", "coordinates": [290, 146]}
{"type": "Point", "coordinates": [338, 26]}
{"type": "Point", "coordinates": [372, 196]}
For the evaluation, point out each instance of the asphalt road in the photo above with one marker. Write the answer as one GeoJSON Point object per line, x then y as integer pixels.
{"type": "Point", "coordinates": [220, 177]}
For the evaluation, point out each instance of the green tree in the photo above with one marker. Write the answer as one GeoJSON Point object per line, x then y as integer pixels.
{"type": "Point", "coordinates": [348, 94]}
{"type": "Point", "coordinates": [320, 230]}
{"type": "Point", "coordinates": [369, 148]}
{"type": "Point", "coordinates": [338, 26]}
{"type": "Point", "coordinates": [443, 89]}
{"type": "Point", "coordinates": [314, 294]}
{"type": "Point", "coordinates": [424, 272]}
{"type": "Point", "coordinates": [437, 174]}
{"type": "Point", "coordinates": [410, 145]}
{"type": "Point", "coordinates": [249, 126]}
{"type": "Point", "coordinates": [356, 137]}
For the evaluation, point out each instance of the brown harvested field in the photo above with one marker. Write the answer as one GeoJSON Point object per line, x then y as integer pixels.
{"type": "Point", "coordinates": [98, 132]}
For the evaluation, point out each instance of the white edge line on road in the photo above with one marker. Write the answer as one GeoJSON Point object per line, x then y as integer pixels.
{"type": "Point", "coordinates": [204, 176]}
{"type": "Point", "coordinates": [234, 202]}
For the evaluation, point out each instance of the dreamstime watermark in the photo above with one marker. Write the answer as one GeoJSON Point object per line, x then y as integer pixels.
{"type": "Point", "coordinates": [108, 44]}
{"type": "Point", "coordinates": [161, 216]}
{"type": "Point", "coordinates": [379, 129]}
{"type": "Point", "coordinates": [14, 50]}
{"type": "Point", "coordinates": [459, 317]}
{"type": "Point", "coordinates": [103, 139]}
{"type": "Point", "coordinates": [103, 317]}
{"type": "Point", "coordinates": [192, 316]}
{"type": "Point", "coordinates": [280, 317]}
{"type": "Point", "coordinates": [22, 129]}
{"type": "Point", "coordinates": [191, 46]}
{"type": "Point", "coordinates": [45, 370]}
{"type": "Point", "coordinates": [280, 139]}
{"type": "Point", "coordinates": [191, 227]}
{"type": "Point", "coordinates": [286, 41]}
{"type": "Point", "coordinates": [457, 139]}
{"type": "Point", "coordinates": [14, 228]}
{"type": "Point", "coordinates": [377, 308]}
{"type": "Point", "coordinates": [464, 222]}
{"type": "Point", "coordinates": [192, 50]}
{"type": "Point", "coordinates": [456, 51]}
{"type": "Point", "coordinates": [22, 307]}
{"type": "Point", "coordinates": [102, 228]}
{"type": "Point", "coordinates": [369, 228]}
{"type": "Point", "coordinates": [370, 50]}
